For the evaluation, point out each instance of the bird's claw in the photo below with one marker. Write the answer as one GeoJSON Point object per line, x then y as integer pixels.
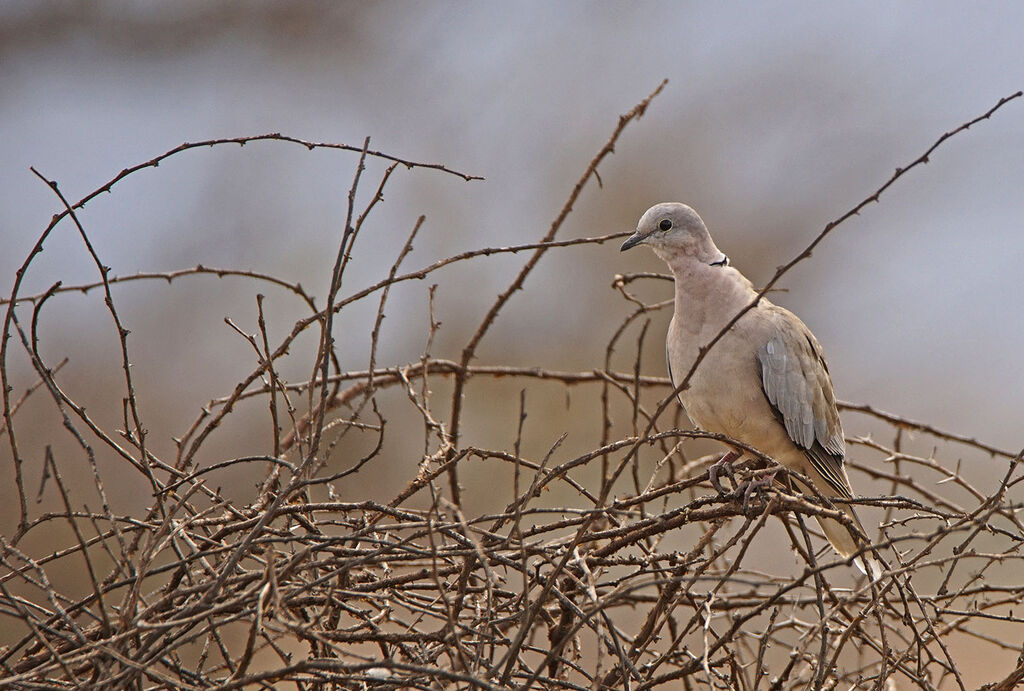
{"type": "Point", "coordinates": [756, 484]}
{"type": "Point", "coordinates": [722, 466]}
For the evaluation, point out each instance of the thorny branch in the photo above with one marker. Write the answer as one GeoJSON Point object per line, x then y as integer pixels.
{"type": "Point", "coordinates": [568, 576]}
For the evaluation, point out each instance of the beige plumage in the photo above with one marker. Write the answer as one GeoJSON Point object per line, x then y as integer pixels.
{"type": "Point", "coordinates": [765, 383]}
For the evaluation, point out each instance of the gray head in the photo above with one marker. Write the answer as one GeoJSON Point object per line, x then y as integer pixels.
{"type": "Point", "coordinates": [674, 231]}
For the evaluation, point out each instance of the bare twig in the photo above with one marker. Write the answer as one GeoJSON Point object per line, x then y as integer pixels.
{"type": "Point", "coordinates": [550, 575]}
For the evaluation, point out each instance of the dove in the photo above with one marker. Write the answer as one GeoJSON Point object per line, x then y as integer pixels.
{"type": "Point", "coordinates": [765, 382]}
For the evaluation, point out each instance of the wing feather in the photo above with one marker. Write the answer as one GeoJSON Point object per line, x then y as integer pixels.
{"type": "Point", "coordinates": [797, 384]}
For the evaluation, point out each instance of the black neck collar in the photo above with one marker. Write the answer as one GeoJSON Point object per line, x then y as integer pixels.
{"type": "Point", "coordinates": [724, 261]}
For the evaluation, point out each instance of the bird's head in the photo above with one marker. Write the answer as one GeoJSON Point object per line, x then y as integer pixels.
{"type": "Point", "coordinates": [674, 231]}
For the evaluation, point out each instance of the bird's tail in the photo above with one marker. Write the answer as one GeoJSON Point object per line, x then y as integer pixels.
{"type": "Point", "coordinates": [844, 542]}
{"type": "Point", "coordinates": [842, 539]}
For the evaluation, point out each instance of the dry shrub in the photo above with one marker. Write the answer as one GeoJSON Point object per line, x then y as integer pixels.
{"type": "Point", "coordinates": [615, 567]}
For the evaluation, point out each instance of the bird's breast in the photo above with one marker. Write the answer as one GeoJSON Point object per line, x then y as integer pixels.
{"type": "Point", "coordinates": [724, 395]}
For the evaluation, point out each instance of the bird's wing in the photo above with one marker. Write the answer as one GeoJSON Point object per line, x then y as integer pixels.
{"type": "Point", "coordinates": [796, 382]}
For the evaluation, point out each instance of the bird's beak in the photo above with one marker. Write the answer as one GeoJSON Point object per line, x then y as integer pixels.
{"type": "Point", "coordinates": [632, 241]}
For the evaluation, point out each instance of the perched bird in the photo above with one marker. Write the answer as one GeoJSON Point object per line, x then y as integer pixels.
{"type": "Point", "coordinates": [765, 382]}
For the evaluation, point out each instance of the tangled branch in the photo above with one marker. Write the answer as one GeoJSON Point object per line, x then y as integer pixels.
{"type": "Point", "coordinates": [608, 568]}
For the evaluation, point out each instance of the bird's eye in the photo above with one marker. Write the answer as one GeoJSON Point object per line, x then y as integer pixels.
{"type": "Point", "coordinates": [665, 224]}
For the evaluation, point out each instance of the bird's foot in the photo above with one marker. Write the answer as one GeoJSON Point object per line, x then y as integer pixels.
{"type": "Point", "coordinates": [756, 484]}
{"type": "Point", "coordinates": [722, 466]}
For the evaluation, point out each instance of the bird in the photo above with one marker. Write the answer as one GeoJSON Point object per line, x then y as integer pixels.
{"type": "Point", "coordinates": [765, 383]}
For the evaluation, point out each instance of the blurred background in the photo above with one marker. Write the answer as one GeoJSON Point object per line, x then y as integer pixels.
{"type": "Point", "coordinates": [777, 118]}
